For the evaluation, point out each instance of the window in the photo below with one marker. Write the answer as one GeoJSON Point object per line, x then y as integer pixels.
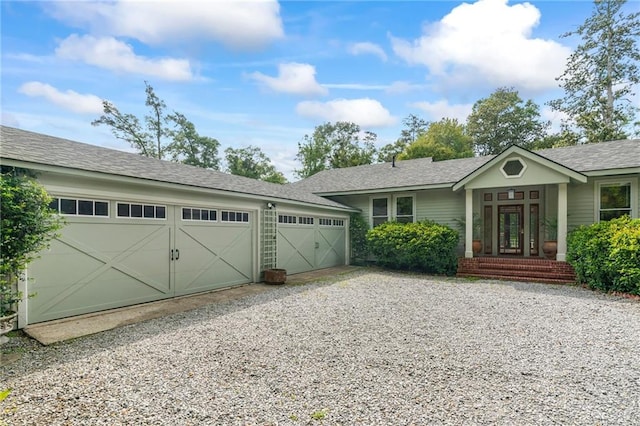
{"type": "Point", "coordinates": [404, 209]}
{"type": "Point", "coordinates": [379, 211]}
{"type": "Point", "coordinates": [283, 218]}
{"type": "Point", "coordinates": [74, 207]}
{"type": "Point", "coordinates": [141, 211]}
{"type": "Point", "coordinates": [203, 215]}
{"type": "Point", "coordinates": [513, 168]}
{"type": "Point", "coordinates": [323, 221]}
{"type": "Point", "coordinates": [615, 200]}
{"type": "Point", "coordinates": [338, 222]}
{"type": "Point", "coordinates": [305, 220]}
{"type": "Point", "coordinates": [233, 216]}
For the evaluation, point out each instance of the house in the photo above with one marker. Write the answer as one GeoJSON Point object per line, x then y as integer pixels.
{"type": "Point", "coordinates": [140, 229]}
{"type": "Point", "coordinates": [510, 196]}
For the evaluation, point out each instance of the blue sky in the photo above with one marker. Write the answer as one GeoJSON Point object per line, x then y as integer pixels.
{"type": "Point", "coordinates": [266, 73]}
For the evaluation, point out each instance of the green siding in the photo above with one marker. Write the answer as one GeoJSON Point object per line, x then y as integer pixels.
{"type": "Point", "coordinates": [440, 205]}
{"type": "Point", "coordinates": [580, 204]}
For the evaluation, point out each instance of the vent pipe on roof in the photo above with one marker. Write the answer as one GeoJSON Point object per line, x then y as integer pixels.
{"type": "Point", "coordinates": [393, 161]}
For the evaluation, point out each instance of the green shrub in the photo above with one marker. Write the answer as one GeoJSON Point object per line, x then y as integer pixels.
{"type": "Point", "coordinates": [358, 228]}
{"type": "Point", "coordinates": [606, 255]}
{"type": "Point", "coordinates": [423, 246]}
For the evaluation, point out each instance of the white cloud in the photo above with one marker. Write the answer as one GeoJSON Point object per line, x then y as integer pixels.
{"type": "Point", "coordinates": [237, 24]}
{"type": "Point", "coordinates": [442, 109]}
{"type": "Point", "coordinates": [70, 100]}
{"type": "Point", "coordinates": [489, 41]}
{"type": "Point", "coordinates": [115, 55]}
{"type": "Point", "coordinates": [367, 48]}
{"type": "Point", "coordinates": [294, 78]}
{"type": "Point", "coordinates": [364, 112]}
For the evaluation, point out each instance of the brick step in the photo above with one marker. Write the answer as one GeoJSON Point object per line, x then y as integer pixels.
{"type": "Point", "coordinates": [521, 267]}
{"type": "Point", "coordinates": [527, 274]}
{"type": "Point", "coordinates": [516, 278]}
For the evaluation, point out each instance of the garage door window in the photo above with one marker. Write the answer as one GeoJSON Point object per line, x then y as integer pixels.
{"type": "Point", "coordinates": [302, 220]}
{"type": "Point", "coordinates": [233, 216]}
{"type": "Point", "coordinates": [75, 207]}
{"type": "Point", "coordinates": [287, 219]}
{"type": "Point", "coordinates": [141, 211]}
{"type": "Point", "coordinates": [203, 215]}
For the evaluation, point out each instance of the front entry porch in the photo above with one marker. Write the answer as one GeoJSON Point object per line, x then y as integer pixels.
{"type": "Point", "coordinates": [517, 269]}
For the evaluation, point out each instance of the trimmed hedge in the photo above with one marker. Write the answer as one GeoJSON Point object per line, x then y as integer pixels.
{"type": "Point", "coordinates": [606, 255]}
{"type": "Point", "coordinates": [422, 246]}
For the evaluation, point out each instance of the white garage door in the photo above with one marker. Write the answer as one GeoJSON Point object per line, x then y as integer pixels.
{"type": "Point", "coordinates": [306, 243]}
{"type": "Point", "coordinates": [114, 254]}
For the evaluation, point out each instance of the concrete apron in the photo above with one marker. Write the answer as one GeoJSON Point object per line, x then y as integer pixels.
{"type": "Point", "coordinates": [60, 330]}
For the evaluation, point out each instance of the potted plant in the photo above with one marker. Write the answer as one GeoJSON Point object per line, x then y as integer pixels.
{"type": "Point", "coordinates": [28, 225]}
{"type": "Point", "coordinates": [476, 229]}
{"type": "Point", "coordinates": [550, 244]}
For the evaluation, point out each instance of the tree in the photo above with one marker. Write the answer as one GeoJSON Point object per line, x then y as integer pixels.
{"type": "Point", "coordinates": [601, 74]}
{"type": "Point", "coordinates": [28, 225]}
{"type": "Point", "coordinates": [504, 119]}
{"type": "Point", "coordinates": [443, 140]}
{"type": "Point", "coordinates": [162, 135]}
{"type": "Point", "coordinates": [333, 146]}
{"type": "Point", "coordinates": [251, 162]}
{"type": "Point", "coordinates": [414, 127]}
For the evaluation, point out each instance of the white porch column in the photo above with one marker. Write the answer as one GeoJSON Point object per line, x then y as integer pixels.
{"type": "Point", "coordinates": [468, 230]}
{"type": "Point", "coordinates": [562, 222]}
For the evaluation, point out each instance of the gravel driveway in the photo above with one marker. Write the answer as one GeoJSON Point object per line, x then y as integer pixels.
{"type": "Point", "coordinates": [371, 348]}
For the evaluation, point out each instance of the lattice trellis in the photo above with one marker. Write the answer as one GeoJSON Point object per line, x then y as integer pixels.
{"type": "Point", "coordinates": [269, 236]}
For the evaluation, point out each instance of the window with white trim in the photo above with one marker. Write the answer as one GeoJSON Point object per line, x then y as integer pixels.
{"type": "Point", "coordinates": [202, 215]}
{"type": "Point", "coordinates": [323, 221]}
{"type": "Point", "coordinates": [338, 223]}
{"type": "Point", "coordinates": [614, 200]}
{"type": "Point", "coordinates": [78, 207]}
{"type": "Point", "coordinates": [379, 211]}
{"type": "Point", "coordinates": [404, 209]}
{"type": "Point", "coordinates": [141, 211]}
{"type": "Point", "coordinates": [303, 220]}
{"type": "Point", "coordinates": [285, 218]}
{"type": "Point", "coordinates": [234, 216]}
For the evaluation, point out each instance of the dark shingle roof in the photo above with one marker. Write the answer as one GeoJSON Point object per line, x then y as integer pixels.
{"type": "Point", "coordinates": [41, 149]}
{"type": "Point", "coordinates": [423, 172]}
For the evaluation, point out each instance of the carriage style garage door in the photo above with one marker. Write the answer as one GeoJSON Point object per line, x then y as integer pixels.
{"type": "Point", "coordinates": [113, 254]}
{"type": "Point", "coordinates": [308, 243]}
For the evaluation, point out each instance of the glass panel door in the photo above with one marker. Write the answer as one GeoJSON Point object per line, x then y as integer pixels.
{"type": "Point", "coordinates": [511, 229]}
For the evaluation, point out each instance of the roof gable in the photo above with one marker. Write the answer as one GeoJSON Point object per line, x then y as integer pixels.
{"type": "Point", "coordinates": [534, 170]}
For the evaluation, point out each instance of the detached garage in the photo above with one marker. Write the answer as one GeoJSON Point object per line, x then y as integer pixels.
{"type": "Point", "coordinates": [140, 229]}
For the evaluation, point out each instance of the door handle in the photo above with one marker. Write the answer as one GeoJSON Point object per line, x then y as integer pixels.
{"type": "Point", "coordinates": [177, 254]}
{"type": "Point", "coordinates": [171, 254]}
{"type": "Point", "coordinates": [317, 245]}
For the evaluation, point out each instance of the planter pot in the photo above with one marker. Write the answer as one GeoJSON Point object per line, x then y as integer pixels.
{"type": "Point", "coordinates": [550, 248]}
{"type": "Point", "coordinates": [275, 276]}
{"type": "Point", "coordinates": [7, 323]}
{"type": "Point", "coordinates": [477, 246]}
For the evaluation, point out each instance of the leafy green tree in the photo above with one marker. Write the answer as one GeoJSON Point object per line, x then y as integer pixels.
{"type": "Point", "coordinates": [601, 74]}
{"type": "Point", "coordinates": [28, 225]}
{"type": "Point", "coordinates": [162, 135]}
{"type": "Point", "coordinates": [504, 119]}
{"type": "Point", "coordinates": [443, 140]}
{"type": "Point", "coordinates": [414, 128]}
{"type": "Point", "coordinates": [251, 162]}
{"type": "Point", "coordinates": [333, 146]}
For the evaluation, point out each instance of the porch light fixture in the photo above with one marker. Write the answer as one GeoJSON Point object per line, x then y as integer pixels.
{"type": "Point", "coordinates": [271, 206]}
{"type": "Point", "coordinates": [512, 194]}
